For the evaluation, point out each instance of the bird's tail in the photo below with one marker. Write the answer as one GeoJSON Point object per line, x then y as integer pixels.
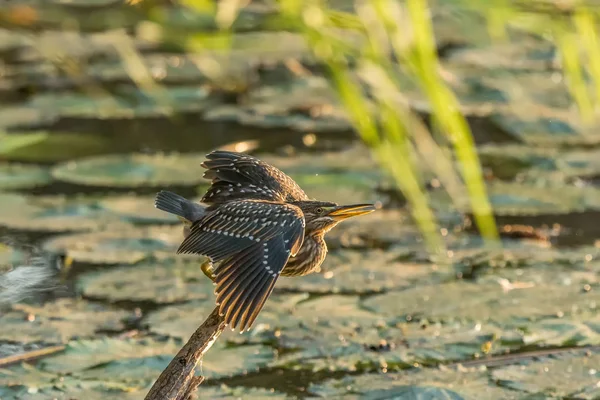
{"type": "Point", "coordinates": [178, 205]}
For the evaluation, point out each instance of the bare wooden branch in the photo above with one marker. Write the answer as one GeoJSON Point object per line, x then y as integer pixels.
{"type": "Point", "coordinates": [177, 381]}
{"type": "Point", "coordinates": [189, 393]}
{"type": "Point", "coordinates": [30, 355]}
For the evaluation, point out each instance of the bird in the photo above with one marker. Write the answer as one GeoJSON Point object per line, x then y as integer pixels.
{"type": "Point", "coordinates": [254, 224]}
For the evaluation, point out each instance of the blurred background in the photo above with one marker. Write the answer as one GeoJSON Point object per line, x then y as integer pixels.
{"type": "Point", "coordinates": [474, 124]}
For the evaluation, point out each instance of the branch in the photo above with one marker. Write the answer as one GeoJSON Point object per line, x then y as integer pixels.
{"type": "Point", "coordinates": [177, 381]}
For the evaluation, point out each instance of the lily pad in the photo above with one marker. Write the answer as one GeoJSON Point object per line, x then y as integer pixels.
{"type": "Point", "coordinates": [138, 210]}
{"type": "Point", "coordinates": [26, 382]}
{"type": "Point", "coordinates": [15, 176]}
{"type": "Point", "coordinates": [133, 170]}
{"type": "Point", "coordinates": [111, 367]}
{"type": "Point", "coordinates": [58, 147]}
{"type": "Point", "coordinates": [585, 331]}
{"type": "Point", "coordinates": [20, 117]}
{"type": "Point", "coordinates": [362, 346]}
{"type": "Point", "coordinates": [380, 229]}
{"type": "Point", "coordinates": [539, 125]}
{"type": "Point", "coordinates": [69, 388]}
{"type": "Point", "coordinates": [366, 271]}
{"type": "Point", "coordinates": [484, 302]}
{"type": "Point", "coordinates": [355, 158]}
{"type": "Point", "coordinates": [121, 246]}
{"type": "Point", "coordinates": [307, 104]}
{"type": "Point", "coordinates": [512, 199]}
{"type": "Point", "coordinates": [226, 392]}
{"type": "Point", "coordinates": [568, 377]}
{"type": "Point", "coordinates": [181, 320]}
{"type": "Point", "coordinates": [81, 355]}
{"type": "Point", "coordinates": [142, 361]}
{"type": "Point", "coordinates": [59, 321]}
{"type": "Point", "coordinates": [583, 163]}
{"type": "Point", "coordinates": [223, 360]}
{"type": "Point", "coordinates": [14, 142]}
{"type": "Point", "coordinates": [335, 333]}
{"type": "Point", "coordinates": [129, 103]}
{"type": "Point", "coordinates": [507, 161]}
{"type": "Point", "coordinates": [528, 54]}
{"type": "Point", "coordinates": [179, 69]}
{"type": "Point", "coordinates": [29, 214]}
{"type": "Point", "coordinates": [156, 283]}
{"type": "Point", "coordinates": [468, 383]}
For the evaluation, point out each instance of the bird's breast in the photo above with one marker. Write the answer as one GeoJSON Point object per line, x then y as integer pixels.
{"type": "Point", "coordinates": [308, 260]}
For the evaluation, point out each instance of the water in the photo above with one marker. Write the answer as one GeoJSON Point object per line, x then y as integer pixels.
{"type": "Point", "coordinates": [384, 314]}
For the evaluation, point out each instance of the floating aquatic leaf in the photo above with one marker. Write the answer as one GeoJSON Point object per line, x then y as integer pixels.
{"type": "Point", "coordinates": [538, 125]}
{"type": "Point", "coordinates": [55, 146]}
{"type": "Point", "coordinates": [180, 320]}
{"type": "Point", "coordinates": [180, 69]}
{"type": "Point", "coordinates": [563, 377]}
{"type": "Point", "coordinates": [56, 387]}
{"type": "Point", "coordinates": [365, 271]}
{"type": "Point", "coordinates": [137, 210]}
{"type": "Point", "coordinates": [585, 331]}
{"type": "Point", "coordinates": [158, 283]}
{"type": "Point", "coordinates": [13, 142]}
{"type": "Point", "coordinates": [483, 302]}
{"type": "Point", "coordinates": [507, 161]}
{"type": "Point", "coordinates": [471, 384]}
{"type": "Point", "coordinates": [369, 346]}
{"type": "Point", "coordinates": [512, 199]}
{"type": "Point", "coordinates": [526, 55]}
{"type": "Point", "coordinates": [223, 361]}
{"type": "Point", "coordinates": [582, 163]}
{"type": "Point", "coordinates": [355, 158]}
{"type": "Point", "coordinates": [307, 104]}
{"type": "Point", "coordinates": [456, 26]}
{"type": "Point", "coordinates": [59, 321]}
{"type": "Point", "coordinates": [225, 392]}
{"type": "Point", "coordinates": [129, 103]}
{"type": "Point", "coordinates": [20, 117]}
{"type": "Point", "coordinates": [25, 382]}
{"type": "Point", "coordinates": [139, 362]}
{"type": "Point", "coordinates": [118, 246]}
{"type": "Point", "coordinates": [133, 170]}
{"type": "Point", "coordinates": [525, 261]}
{"type": "Point", "coordinates": [16, 176]}
{"type": "Point", "coordinates": [380, 229]}
{"type": "Point", "coordinates": [27, 213]}
{"type": "Point", "coordinates": [416, 393]}
{"type": "Point", "coordinates": [81, 355]}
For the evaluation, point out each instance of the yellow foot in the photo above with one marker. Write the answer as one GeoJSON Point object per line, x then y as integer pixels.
{"type": "Point", "coordinates": [208, 270]}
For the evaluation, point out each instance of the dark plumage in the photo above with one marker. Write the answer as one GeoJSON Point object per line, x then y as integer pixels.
{"type": "Point", "coordinates": [255, 223]}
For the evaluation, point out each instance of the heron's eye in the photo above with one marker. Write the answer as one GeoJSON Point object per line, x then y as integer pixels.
{"type": "Point", "coordinates": [319, 210]}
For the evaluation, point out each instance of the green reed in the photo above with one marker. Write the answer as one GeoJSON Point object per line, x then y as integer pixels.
{"type": "Point", "coordinates": [366, 51]}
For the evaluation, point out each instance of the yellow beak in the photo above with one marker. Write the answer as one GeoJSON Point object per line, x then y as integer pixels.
{"type": "Point", "coordinates": [343, 212]}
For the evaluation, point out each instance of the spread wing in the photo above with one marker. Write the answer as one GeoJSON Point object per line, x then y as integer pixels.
{"type": "Point", "coordinates": [240, 176]}
{"type": "Point", "coordinates": [252, 241]}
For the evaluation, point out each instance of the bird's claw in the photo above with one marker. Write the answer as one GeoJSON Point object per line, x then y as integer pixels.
{"type": "Point", "coordinates": [208, 270]}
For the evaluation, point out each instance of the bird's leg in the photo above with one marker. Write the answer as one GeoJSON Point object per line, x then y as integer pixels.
{"type": "Point", "coordinates": [208, 270]}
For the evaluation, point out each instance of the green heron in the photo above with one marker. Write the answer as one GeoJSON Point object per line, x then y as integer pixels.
{"type": "Point", "coordinates": [255, 224]}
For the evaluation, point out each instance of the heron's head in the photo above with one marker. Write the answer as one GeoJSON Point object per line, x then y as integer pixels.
{"type": "Point", "coordinates": [321, 216]}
